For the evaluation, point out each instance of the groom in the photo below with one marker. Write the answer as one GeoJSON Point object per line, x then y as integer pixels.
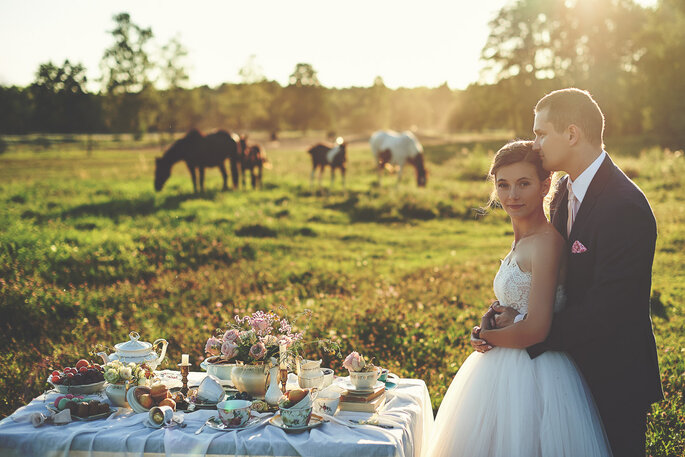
{"type": "Point", "coordinates": [611, 235]}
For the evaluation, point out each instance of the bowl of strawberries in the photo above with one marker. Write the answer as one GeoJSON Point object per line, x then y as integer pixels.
{"type": "Point", "coordinates": [83, 378]}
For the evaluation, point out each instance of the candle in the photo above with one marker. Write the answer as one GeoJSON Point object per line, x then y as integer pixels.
{"type": "Point", "coordinates": [283, 356]}
{"type": "Point", "coordinates": [184, 359]}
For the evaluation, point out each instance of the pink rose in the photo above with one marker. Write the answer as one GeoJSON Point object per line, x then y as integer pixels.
{"type": "Point", "coordinates": [231, 336]}
{"type": "Point", "coordinates": [213, 346]}
{"type": "Point", "coordinates": [258, 351]}
{"type": "Point", "coordinates": [354, 362]}
{"type": "Point", "coordinates": [229, 350]}
{"type": "Point", "coordinates": [260, 325]}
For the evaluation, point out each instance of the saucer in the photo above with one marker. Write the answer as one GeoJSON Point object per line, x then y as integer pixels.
{"type": "Point", "coordinates": [347, 385]}
{"type": "Point", "coordinates": [215, 423]}
{"type": "Point", "coordinates": [278, 422]}
{"type": "Point", "coordinates": [176, 421]}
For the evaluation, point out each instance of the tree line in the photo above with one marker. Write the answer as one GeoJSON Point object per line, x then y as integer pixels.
{"type": "Point", "coordinates": [629, 57]}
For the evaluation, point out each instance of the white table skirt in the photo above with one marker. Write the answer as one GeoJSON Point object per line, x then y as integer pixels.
{"type": "Point", "coordinates": [408, 406]}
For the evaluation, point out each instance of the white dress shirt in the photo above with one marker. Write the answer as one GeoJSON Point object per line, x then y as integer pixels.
{"type": "Point", "coordinates": [582, 182]}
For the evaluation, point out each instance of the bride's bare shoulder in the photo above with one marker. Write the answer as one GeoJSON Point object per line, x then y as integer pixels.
{"type": "Point", "coordinates": [549, 238]}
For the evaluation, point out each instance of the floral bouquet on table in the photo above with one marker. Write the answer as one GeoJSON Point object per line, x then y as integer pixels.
{"type": "Point", "coordinates": [117, 372]}
{"type": "Point", "coordinates": [253, 339]}
{"type": "Point", "coordinates": [363, 373]}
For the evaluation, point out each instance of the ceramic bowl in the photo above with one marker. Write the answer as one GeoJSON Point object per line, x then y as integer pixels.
{"type": "Point", "coordinates": [234, 413]}
{"type": "Point", "coordinates": [210, 390]}
{"type": "Point", "coordinates": [292, 417]}
{"type": "Point", "coordinates": [327, 377]}
{"type": "Point", "coordinates": [364, 379]}
{"type": "Point", "coordinates": [79, 390]}
{"type": "Point", "coordinates": [221, 371]}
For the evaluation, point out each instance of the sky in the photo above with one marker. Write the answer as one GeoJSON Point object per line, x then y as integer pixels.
{"type": "Point", "coordinates": [407, 43]}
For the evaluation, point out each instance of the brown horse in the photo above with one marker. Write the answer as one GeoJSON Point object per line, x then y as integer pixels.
{"type": "Point", "coordinates": [252, 158]}
{"type": "Point", "coordinates": [333, 156]}
{"type": "Point", "coordinates": [199, 152]}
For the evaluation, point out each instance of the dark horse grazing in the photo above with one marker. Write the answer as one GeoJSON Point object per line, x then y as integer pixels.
{"type": "Point", "coordinates": [199, 152]}
{"type": "Point", "coordinates": [333, 156]}
{"type": "Point", "coordinates": [252, 158]}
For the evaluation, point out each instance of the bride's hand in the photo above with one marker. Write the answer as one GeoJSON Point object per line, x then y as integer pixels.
{"type": "Point", "coordinates": [477, 343]}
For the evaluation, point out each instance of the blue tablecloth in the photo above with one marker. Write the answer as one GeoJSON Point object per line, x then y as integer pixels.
{"type": "Point", "coordinates": [407, 408]}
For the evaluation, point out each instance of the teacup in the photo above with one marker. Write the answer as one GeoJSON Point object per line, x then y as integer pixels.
{"type": "Point", "coordinates": [234, 413]}
{"type": "Point", "coordinates": [364, 380]}
{"type": "Point", "coordinates": [210, 390]}
{"type": "Point", "coordinates": [296, 417]}
{"type": "Point", "coordinates": [161, 415]}
{"type": "Point", "coordinates": [327, 402]}
{"type": "Point", "coordinates": [383, 374]}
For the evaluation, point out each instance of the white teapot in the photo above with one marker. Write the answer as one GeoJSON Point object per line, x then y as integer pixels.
{"type": "Point", "coordinates": [137, 352]}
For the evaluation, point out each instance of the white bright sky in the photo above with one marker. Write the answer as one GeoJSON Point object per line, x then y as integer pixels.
{"type": "Point", "coordinates": [349, 43]}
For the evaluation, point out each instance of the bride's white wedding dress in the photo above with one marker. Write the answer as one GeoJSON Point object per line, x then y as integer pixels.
{"type": "Point", "coordinates": [503, 403]}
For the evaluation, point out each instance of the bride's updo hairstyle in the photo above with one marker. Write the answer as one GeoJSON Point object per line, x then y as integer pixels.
{"type": "Point", "coordinates": [510, 153]}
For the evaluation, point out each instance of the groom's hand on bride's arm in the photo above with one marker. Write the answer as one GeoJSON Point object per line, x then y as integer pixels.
{"type": "Point", "coordinates": [504, 316]}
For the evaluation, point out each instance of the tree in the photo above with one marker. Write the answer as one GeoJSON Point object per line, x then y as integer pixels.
{"type": "Point", "coordinates": [127, 68]}
{"type": "Point", "coordinates": [661, 70]}
{"type": "Point", "coordinates": [305, 100]}
{"type": "Point", "coordinates": [585, 43]}
{"type": "Point", "coordinates": [60, 101]}
{"type": "Point", "coordinates": [172, 77]}
{"type": "Point", "coordinates": [304, 75]}
{"type": "Point", "coordinates": [252, 72]}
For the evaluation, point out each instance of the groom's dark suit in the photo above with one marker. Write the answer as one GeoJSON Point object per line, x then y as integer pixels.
{"type": "Point", "coordinates": [606, 325]}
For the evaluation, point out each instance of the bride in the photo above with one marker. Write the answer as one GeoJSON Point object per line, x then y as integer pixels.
{"type": "Point", "coordinates": [502, 402]}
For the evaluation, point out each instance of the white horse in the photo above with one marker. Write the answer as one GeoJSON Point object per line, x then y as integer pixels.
{"type": "Point", "coordinates": [397, 149]}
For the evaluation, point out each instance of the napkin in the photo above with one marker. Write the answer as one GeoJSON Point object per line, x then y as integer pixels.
{"type": "Point", "coordinates": [37, 419]}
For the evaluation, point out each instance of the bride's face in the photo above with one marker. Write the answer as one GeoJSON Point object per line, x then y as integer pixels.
{"type": "Point", "coordinates": [520, 190]}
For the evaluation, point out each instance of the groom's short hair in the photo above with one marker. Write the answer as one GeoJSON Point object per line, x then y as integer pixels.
{"type": "Point", "coordinates": [574, 106]}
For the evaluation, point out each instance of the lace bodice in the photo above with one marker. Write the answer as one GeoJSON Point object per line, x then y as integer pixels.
{"type": "Point", "coordinates": [512, 287]}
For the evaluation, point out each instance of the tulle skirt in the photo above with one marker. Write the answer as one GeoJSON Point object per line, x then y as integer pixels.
{"type": "Point", "coordinates": [503, 403]}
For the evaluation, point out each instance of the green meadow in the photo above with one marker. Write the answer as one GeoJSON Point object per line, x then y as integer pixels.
{"type": "Point", "coordinates": [89, 252]}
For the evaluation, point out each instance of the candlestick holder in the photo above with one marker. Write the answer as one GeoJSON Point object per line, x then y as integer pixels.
{"type": "Point", "coordinates": [185, 369]}
{"type": "Point", "coordinates": [283, 375]}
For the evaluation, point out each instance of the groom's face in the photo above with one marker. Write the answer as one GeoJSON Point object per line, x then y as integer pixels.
{"type": "Point", "coordinates": [550, 144]}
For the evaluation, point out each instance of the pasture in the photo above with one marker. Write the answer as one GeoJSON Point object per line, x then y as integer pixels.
{"type": "Point", "coordinates": [89, 252]}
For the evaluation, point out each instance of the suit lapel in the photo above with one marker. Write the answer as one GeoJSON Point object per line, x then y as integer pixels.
{"type": "Point", "coordinates": [559, 207]}
{"type": "Point", "coordinates": [597, 185]}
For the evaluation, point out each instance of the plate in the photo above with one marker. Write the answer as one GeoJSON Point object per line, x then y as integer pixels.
{"type": "Point", "coordinates": [78, 390]}
{"type": "Point", "coordinates": [133, 403]}
{"type": "Point", "coordinates": [347, 385]}
{"type": "Point", "coordinates": [176, 421]}
{"type": "Point", "coordinates": [215, 423]}
{"type": "Point", "coordinates": [278, 422]}
{"type": "Point", "coordinates": [94, 417]}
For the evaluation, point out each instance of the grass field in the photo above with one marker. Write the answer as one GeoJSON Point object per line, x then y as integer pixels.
{"type": "Point", "coordinates": [89, 252]}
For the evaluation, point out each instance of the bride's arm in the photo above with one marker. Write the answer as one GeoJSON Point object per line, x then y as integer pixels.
{"type": "Point", "coordinates": [545, 271]}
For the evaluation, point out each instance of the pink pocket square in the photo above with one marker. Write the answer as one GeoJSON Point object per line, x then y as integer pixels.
{"type": "Point", "coordinates": [578, 248]}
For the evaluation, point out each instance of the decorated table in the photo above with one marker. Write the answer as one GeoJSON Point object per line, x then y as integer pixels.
{"type": "Point", "coordinates": [403, 428]}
